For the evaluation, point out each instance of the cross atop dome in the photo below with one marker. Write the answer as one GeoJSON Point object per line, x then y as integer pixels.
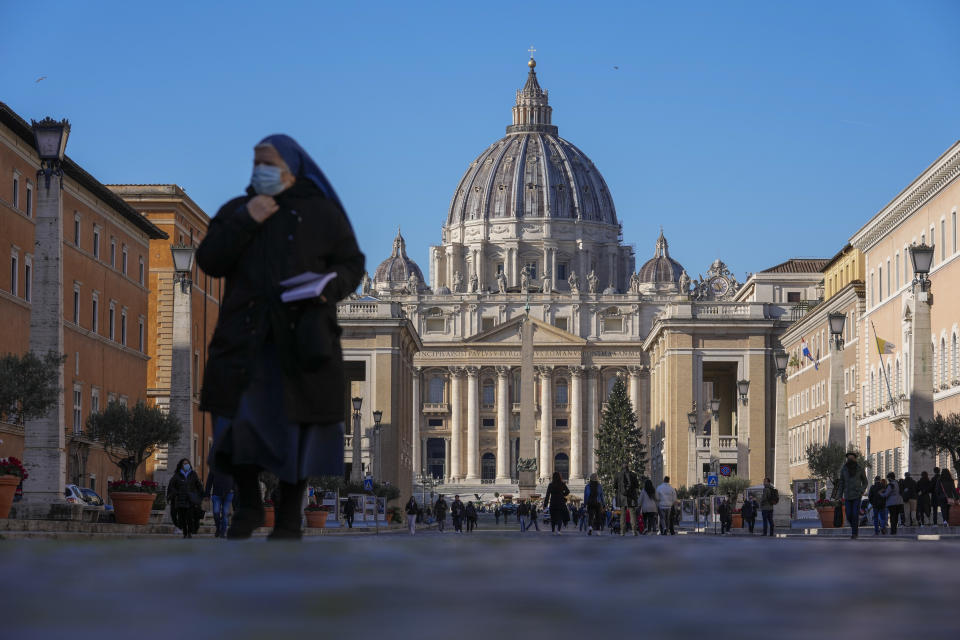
{"type": "Point", "coordinates": [532, 112]}
{"type": "Point", "coordinates": [662, 250]}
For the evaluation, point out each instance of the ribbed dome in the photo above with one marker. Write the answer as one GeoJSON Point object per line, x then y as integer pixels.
{"type": "Point", "coordinates": [394, 273]}
{"type": "Point", "coordinates": [532, 172]}
{"type": "Point", "coordinates": [661, 268]}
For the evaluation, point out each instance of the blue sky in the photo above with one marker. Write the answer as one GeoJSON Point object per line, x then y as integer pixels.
{"type": "Point", "coordinates": [752, 131]}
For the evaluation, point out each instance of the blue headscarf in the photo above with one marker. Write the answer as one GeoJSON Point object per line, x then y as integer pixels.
{"type": "Point", "coordinates": [301, 164]}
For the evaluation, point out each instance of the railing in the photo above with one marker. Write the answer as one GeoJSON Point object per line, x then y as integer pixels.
{"type": "Point", "coordinates": [726, 442]}
{"type": "Point", "coordinates": [722, 310]}
{"type": "Point", "coordinates": [560, 406]}
{"type": "Point", "coordinates": [348, 442]}
{"type": "Point", "coordinates": [435, 407]}
{"type": "Point", "coordinates": [488, 481]}
{"type": "Point", "coordinates": [802, 308]}
{"type": "Point", "coordinates": [487, 407]}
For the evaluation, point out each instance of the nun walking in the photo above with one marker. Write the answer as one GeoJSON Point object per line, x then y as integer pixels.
{"type": "Point", "coordinates": [274, 380]}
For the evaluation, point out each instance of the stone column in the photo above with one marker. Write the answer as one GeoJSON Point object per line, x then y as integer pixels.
{"type": "Point", "coordinates": [591, 454]}
{"type": "Point", "coordinates": [415, 422]}
{"type": "Point", "coordinates": [446, 459]}
{"type": "Point", "coordinates": [503, 425]}
{"type": "Point", "coordinates": [44, 450]}
{"type": "Point", "coordinates": [921, 374]}
{"type": "Point", "coordinates": [837, 427]}
{"type": "Point", "coordinates": [546, 421]}
{"type": "Point", "coordinates": [456, 416]}
{"type": "Point", "coordinates": [181, 387]}
{"type": "Point", "coordinates": [576, 424]}
{"type": "Point", "coordinates": [473, 425]}
{"type": "Point", "coordinates": [634, 391]}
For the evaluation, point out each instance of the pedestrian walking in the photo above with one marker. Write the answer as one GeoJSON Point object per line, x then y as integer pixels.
{"type": "Point", "coordinates": [470, 515]}
{"type": "Point", "coordinates": [533, 516]}
{"type": "Point", "coordinates": [648, 507]}
{"type": "Point", "coordinates": [851, 484]}
{"type": "Point", "coordinates": [768, 499]}
{"type": "Point", "coordinates": [593, 499]}
{"type": "Point", "coordinates": [627, 485]}
{"type": "Point", "coordinates": [456, 513]}
{"type": "Point", "coordinates": [924, 498]}
{"type": "Point", "coordinates": [184, 493]}
{"type": "Point", "coordinates": [947, 496]}
{"type": "Point", "coordinates": [878, 503]}
{"type": "Point", "coordinates": [908, 489]}
{"type": "Point", "coordinates": [219, 489]}
{"type": "Point", "coordinates": [666, 498]}
{"type": "Point", "coordinates": [349, 508]}
{"type": "Point", "coordinates": [523, 511]}
{"type": "Point", "coordinates": [440, 511]}
{"type": "Point", "coordinates": [496, 514]}
{"type": "Point", "coordinates": [749, 512]}
{"type": "Point", "coordinates": [556, 501]}
{"type": "Point", "coordinates": [726, 516]}
{"type": "Point", "coordinates": [936, 491]}
{"type": "Point", "coordinates": [893, 501]}
{"type": "Point", "coordinates": [274, 380]}
{"type": "Point", "coordinates": [412, 510]}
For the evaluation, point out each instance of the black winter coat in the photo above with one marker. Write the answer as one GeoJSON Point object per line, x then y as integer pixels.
{"type": "Point", "coordinates": [308, 233]}
{"type": "Point", "coordinates": [184, 491]}
{"type": "Point", "coordinates": [556, 497]}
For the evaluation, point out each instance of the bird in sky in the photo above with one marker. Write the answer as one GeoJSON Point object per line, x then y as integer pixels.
{"type": "Point", "coordinates": [616, 67]}
{"type": "Point", "coordinates": [40, 78]}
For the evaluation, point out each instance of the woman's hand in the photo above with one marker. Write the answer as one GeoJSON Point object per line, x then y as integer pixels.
{"type": "Point", "coordinates": [262, 207]}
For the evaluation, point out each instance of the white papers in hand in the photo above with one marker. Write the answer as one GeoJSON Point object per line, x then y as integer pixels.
{"type": "Point", "coordinates": [306, 285]}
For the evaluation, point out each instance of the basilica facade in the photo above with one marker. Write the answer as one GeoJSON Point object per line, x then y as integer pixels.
{"type": "Point", "coordinates": [532, 232]}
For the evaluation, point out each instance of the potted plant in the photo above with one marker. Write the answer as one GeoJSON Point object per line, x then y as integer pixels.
{"type": "Point", "coordinates": [132, 500]}
{"type": "Point", "coordinates": [12, 474]}
{"type": "Point", "coordinates": [732, 487]}
{"type": "Point", "coordinates": [394, 515]}
{"type": "Point", "coordinates": [736, 519]}
{"type": "Point", "coordinates": [316, 515]}
{"type": "Point", "coordinates": [268, 514]}
{"type": "Point", "coordinates": [826, 508]}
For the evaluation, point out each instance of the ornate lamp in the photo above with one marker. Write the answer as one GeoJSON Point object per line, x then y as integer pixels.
{"type": "Point", "coordinates": [51, 141]}
{"type": "Point", "coordinates": [715, 405]}
{"type": "Point", "coordinates": [837, 320]}
{"type": "Point", "coordinates": [182, 265]}
{"type": "Point", "coordinates": [781, 359]}
{"type": "Point", "coordinates": [357, 402]}
{"type": "Point", "coordinates": [377, 416]}
{"type": "Point", "coordinates": [692, 419]}
{"type": "Point", "coordinates": [743, 387]}
{"type": "Point", "coordinates": [921, 255]}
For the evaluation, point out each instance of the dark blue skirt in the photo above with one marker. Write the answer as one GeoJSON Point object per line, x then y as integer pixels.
{"type": "Point", "coordinates": [260, 433]}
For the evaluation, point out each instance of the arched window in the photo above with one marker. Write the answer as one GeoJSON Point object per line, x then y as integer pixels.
{"type": "Point", "coordinates": [487, 393]}
{"type": "Point", "coordinates": [561, 464]}
{"type": "Point", "coordinates": [610, 382]}
{"type": "Point", "coordinates": [944, 371]}
{"type": "Point", "coordinates": [488, 467]}
{"type": "Point", "coordinates": [896, 381]}
{"type": "Point", "coordinates": [953, 356]}
{"type": "Point", "coordinates": [560, 393]}
{"type": "Point", "coordinates": [436, 389]}
{"type": "Point", "coordinates": [871, 400]}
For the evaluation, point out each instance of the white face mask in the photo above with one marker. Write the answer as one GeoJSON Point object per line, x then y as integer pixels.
{"type": "Point", "coordinates": [267, 180]}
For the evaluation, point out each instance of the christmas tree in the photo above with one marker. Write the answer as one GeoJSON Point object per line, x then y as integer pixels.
{"type": "Point", "coordinates": [619, 439]}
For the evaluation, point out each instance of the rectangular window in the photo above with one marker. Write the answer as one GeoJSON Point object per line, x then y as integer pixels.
{"type": "Point", "coordinates": [96, 243]}
{"type": "Point", "coordinates": [76, 231]}
{"type": "Point", "coordinates": [14, 273]}
{"type": "Point", "coordinates": [140, 271]}
{"type": "Point", "coordinates": [793, 296]}
{"type": "Point", "coordinates": [123, 328]}
{"type": "Point", "coordinates": [500, 268]}
{"type": "Point", "coordinates": [880, 284]}
{"type": "Point", "coordinates": [488, 423]}
{"type": "Point", "coordinates": [77, 410]}
{"type": "Point", "coordinates": [140, 335]}
{"type": "Point", "coordinates": [954, 218]}
{"type": "Point", "coordinates": [487, 323]}
{"type": "Point", "coordinates": [123, 261]}
{"type": "Point", "coordinates": [435, 325]}
{"type": "Point", "coordinates": [532, 268]}
{"type": "Point", "coordinates": [27, 278]}
{"type": "Point", "coordinates": [95, 401]}
{"type": "Point", "coordinates": [29, 201]}
{"type": "Point", "coordinates": [561, 423]}
{"type": "Point", "coordinates": [896, 261]}
{"type": "Point", "coordinates": [76, 305]}
{"type": "Point", "coordinates": [613, 325]}
{"type": "Point", "coordinates": [113, 252]}
{"type": "Point", "coordinates": [943, 241]}
{"type": "Point", "coordinates": [16, 192]}
{"type": "Point", "coordinates": [110, 322]}
{"type": "Point", "coordinates": [95, 310]}
{"type": "Point", "coordinates": [561, 323]}
{"type": "Point", "coordinates": [196, 372]}
{"type": "Point", "coordinates": [561, 271]}
{"type": "Point", "coordinates": [889, 290]}
{"type": "Point", "coordinates": [933, 241]}
{"type": "Point", "coordinates": [435, 422]}
{"type": "Point", "coordinates": [873, 288]}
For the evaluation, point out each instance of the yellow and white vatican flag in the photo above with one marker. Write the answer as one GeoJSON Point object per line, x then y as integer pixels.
{"type": "Point", "coordinates": [883, 346]}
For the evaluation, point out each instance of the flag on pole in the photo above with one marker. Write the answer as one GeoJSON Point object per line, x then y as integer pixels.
{"type": "Point", "coordinates": [805, 350]}
{"type": "Point", "coordinates": [884, 346]}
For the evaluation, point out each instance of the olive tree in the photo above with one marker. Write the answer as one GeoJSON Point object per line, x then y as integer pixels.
{"type": "Point", "coordinates": [130, 435]}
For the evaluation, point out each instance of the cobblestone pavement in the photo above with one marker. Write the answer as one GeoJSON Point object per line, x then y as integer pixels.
{"type": "Point", "coordinates": [492, 583]}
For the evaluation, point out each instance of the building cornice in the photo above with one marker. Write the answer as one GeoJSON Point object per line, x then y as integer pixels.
{"type": "Point", "coordinates": [927, 185]}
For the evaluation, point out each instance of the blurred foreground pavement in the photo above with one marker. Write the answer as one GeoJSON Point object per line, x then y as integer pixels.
{"type": "Point", "coordinates": [497, 584]}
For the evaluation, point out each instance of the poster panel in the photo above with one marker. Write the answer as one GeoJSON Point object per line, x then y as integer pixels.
{"type": "Point", "coordinates": [805, 494]}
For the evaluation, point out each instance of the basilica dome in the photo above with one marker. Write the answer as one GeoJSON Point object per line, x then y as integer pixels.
{"type": "Point", "coordinates": [661, 268]}
{"type": "Point", "coordinates": [532, 172]}
{"type": "Point", "coordinates": [394, 274]}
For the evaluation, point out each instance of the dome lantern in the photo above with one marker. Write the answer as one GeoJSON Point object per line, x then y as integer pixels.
{"type": "Point", "coordinates": [398, 272]}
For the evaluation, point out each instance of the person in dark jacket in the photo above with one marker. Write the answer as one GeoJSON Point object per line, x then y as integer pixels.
{"type": "Point", "coordinates": [749, 512]}
{"type": "Point", "coordinates": [556, 501]}
{"type": "Point", "coordinates": [440, 512]}
{"type": "Point", "coordinates": [851, 484]}
{"type": "Point", "coordinates": [274, 379]}
{"type": "Point", "coordinates": [349, 509]}
{"type": "Point", "coordinates": [924, 498]}
{"type": "Point", "coordinates": [628, 492]}
{"type": "Point", "coordinates": [893, 501]}
{"type": "Point", "coordinates": [456, 513]}
{"type": "Point", "coordinates": [946, 496]}
{"type": "Point", "coordinates": [219, 488]}
{"type": "Point", "coordinates": [936, 492]}
{"type": "Point", "coordinates": [593, 498]}
{"type": "Point", "coordinates": [411, 510]}
{"type": "Point", "coordinates": [908, 489]}
{"type": "Point", "coordinates": [184, 493]}
{"type": "Point", "coordinates": [533, 516]}
{"type": "Point", "coordinates": [470, 515]}
{"type": "Point", "coordinates": [879, 504]}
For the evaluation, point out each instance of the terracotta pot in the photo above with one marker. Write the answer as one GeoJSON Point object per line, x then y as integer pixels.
{"type": "Point", "coordinates": [316, 519]}
{"type": "Point", "coordinates": [737, 521]}
{"type": "Point", "coordinates": [8, 487]}
{"type": "Point", "coordinates": [268, 517]}
{"type": "Point", "coordinates": [132, 508]}
{"type": "Point", "coordinates": [953, 522]}
{"type": "Point", "coordinates": [826, 516]}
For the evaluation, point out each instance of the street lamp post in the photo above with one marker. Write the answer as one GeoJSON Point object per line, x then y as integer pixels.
{"type": "Point", "coordinates": [921, 369]}
{"type": "Point", "coordinates": [838, 428]}
{"type": "Point", "coordinates": [692, 439]}
{"type": "Point", "coordinates": [715, 435]}
{"type": "Point", "coordinates": [377, 416]}
{"type": "Point", "coordinates": [44, 451]}
{"type": "Point", "coordinates": [743, 436]}
{"type": "Point", "coordinates": [181, 374]}
{"type": "Point", "coordinates": [356, 467]}
{"type": "Point", "coordinates": [781, 458]}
